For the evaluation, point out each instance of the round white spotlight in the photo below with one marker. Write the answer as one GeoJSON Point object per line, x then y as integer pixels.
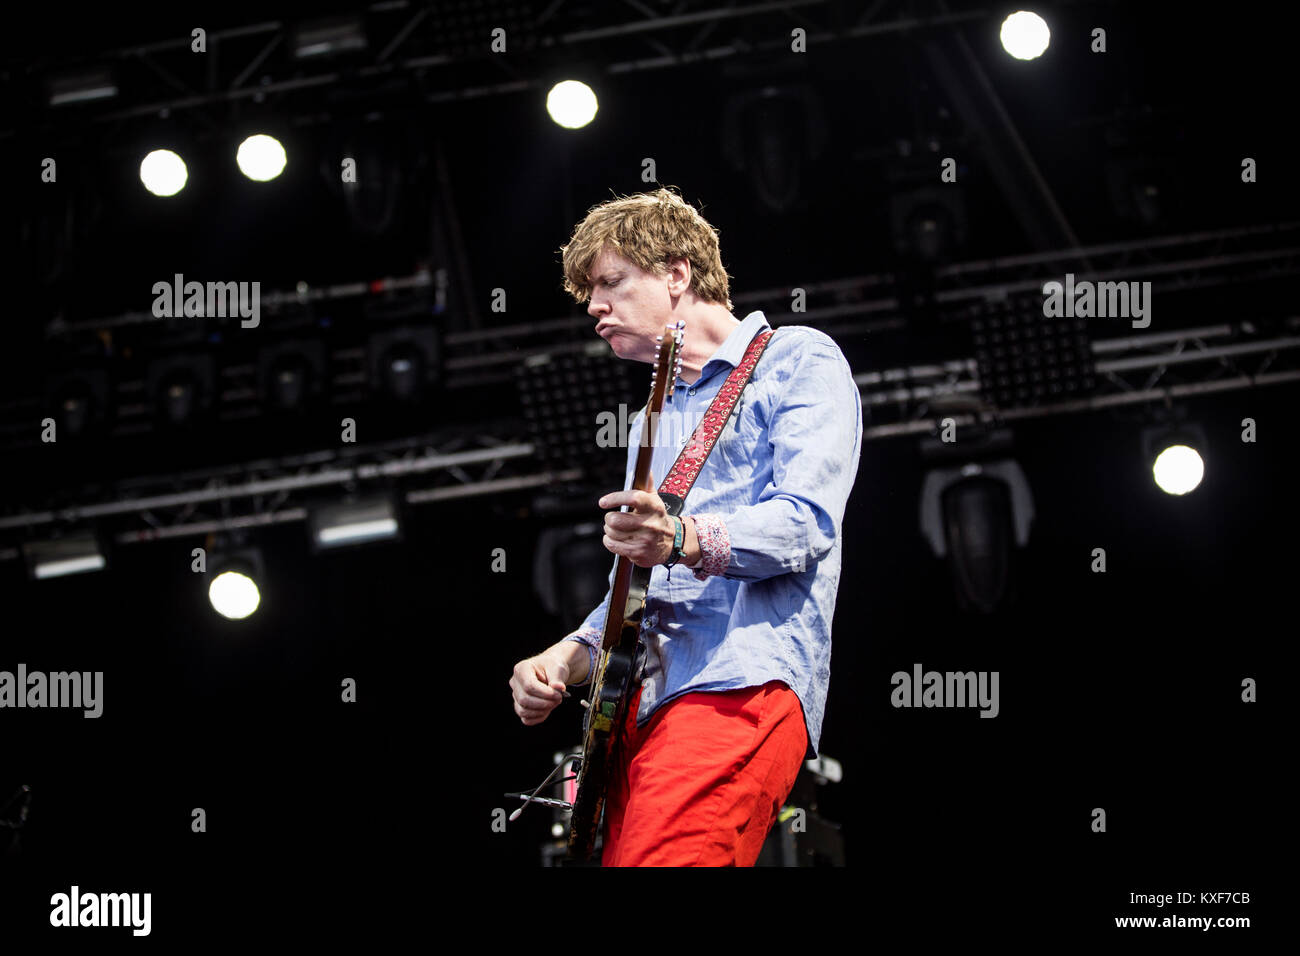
{"type": "Point", "coordinates": [1025, 35]}
{"type": "Point", "coordinates": [571, 104]}
{"type": "Point", "coordinates": [261, 157]}
{"type": "Point", "coordinates": [234, 595]}
{"type": "Point", "coordinates": [1178, 469]}
{"type": "Point", "coordinates": [163, 173]}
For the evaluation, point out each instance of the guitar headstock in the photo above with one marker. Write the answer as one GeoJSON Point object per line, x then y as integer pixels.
{"type": "Point", "coordinates": [668, 363]}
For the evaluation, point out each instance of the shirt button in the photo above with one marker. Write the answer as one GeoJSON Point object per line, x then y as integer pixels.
{"type": "Point", "coordinates": [690, 391]}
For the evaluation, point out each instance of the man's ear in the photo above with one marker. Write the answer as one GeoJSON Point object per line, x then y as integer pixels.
{"type": "Point", "coordinates": [679, 275]}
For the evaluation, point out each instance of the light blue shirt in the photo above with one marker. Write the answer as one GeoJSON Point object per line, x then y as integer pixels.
{"type": "Point", "coordinates": [769, 505]}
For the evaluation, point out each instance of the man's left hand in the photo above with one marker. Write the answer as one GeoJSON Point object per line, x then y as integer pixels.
{"type": "Point", "coordinates": [644, 535]}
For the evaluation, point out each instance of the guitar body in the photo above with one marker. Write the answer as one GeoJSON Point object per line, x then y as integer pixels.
{"type": "Point", "coordinates": [611, 692]}
{"type": "Point", "coordinates": [611, 684]}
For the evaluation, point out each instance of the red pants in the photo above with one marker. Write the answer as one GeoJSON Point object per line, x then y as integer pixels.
{"type": "Point", "coordinates": [703, 782]}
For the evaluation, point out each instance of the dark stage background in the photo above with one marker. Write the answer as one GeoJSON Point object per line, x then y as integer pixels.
{"type": "Point", "coordinates": [1119, 690]}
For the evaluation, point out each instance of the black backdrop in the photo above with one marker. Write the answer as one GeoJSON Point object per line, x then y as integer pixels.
{"type": "Point", "coordinates": [1119, 690]}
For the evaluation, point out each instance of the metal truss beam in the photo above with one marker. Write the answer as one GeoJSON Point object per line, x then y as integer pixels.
{"type": "Point", "coordinates": [1130, 369]}
{"type": "Point", "coordinates": [269, 492]}
{"type": "Point", "coordinates": [167, 79]}
{"type": "Point", "coordinates": [923, 395]}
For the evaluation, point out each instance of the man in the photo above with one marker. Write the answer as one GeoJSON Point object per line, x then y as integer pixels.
{"type": "Point", "coordinates": [737, 643]}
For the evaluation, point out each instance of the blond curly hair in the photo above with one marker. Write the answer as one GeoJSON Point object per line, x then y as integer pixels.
{"type": "Point", "coordinates": [648, 229]}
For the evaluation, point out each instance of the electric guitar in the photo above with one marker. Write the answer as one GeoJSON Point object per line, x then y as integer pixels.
{"type": "Point", "coordinates": [611, 685]}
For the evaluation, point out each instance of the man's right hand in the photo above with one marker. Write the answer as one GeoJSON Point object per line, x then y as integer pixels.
{"type": "Point", "coordinates": [537, 686]}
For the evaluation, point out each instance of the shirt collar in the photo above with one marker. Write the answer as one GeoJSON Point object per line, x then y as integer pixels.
{"type": "Point", "coordinates": [733, 349]}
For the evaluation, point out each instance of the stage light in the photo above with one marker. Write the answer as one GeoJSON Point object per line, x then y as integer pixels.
{"type": "Point", "coordinates": [163, 173]}
{"type": "Point", "coordinates": [927, 231]}
{"type": "Point", "coordinates": [572, 104]}
{"type": "Point", "coordinates": [388, 160]}
{"type": "Point", "coordinates": [261, 158]}
{"type": "Point", "coordinates": [72, 554]}
{"type": "Point", "coordinates": [78, 400]}
{"type": "Point", "coordinates": [771, 134]}
{"type": "Point", "coordinates": [354, 522]}
{"type": "Point", "coordinates": [289, 384]}
{"type": "Point", "coordinates": [403, 370]}
{"type": "Point", "coordinates": [235, 569]}
{"type": "Point", "coordinates": [1024, 359]}
{"type": "Point", "coordinates": [75, 410]}
{"type": "Point", "coordinates": [1174, 450]}
{"type": "Point", "coordinates": [1178, 469]}
{"type": "Point", "coordinates": [290, 374]}
{"type": "Point", "coordinates": [1025, 35]}
{"type": "Point", "coordinates": [1140, 189]}
{"type": "Point", "coordinates": [928, 224]}
{"type": "Point", "coordinates": [234, 595]}
{"type": "Point", "coordinates": [177, 400]}
{"type": "Point", "coordinates": [81, 87]}
{"type": "Point", "coordinates": [404, 362]}
{"type": "Point", "coordinates": [329, 36]}
{"type": "Point", "coordinates": [566, 400]}
{"type": "Point", "coordinates": [570, 565]}
{"type": "Point", "coordinates": [976, 509]}
{"type": "Point", "coordinates": [182, 388]}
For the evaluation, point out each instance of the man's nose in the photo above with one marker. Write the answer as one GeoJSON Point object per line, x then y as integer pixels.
{"type": "Point", "coordinates": [596, 309]}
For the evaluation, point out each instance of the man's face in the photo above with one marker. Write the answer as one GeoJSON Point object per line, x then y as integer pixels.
{"type": "Point", "coordinates": [630, 306]}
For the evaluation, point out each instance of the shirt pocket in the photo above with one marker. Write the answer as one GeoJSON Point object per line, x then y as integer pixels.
{"type": "Point", "coordinates": [742, 443]}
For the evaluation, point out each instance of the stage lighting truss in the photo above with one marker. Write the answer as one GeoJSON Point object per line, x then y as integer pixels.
{"type": "Point", "coordinates": [1173, 358]}
{"type": "Point", "coordinates": [458, 463]}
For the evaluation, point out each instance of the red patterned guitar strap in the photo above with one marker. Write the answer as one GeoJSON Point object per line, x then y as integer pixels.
{"type": "Point", "coordinates": [692, 458]}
